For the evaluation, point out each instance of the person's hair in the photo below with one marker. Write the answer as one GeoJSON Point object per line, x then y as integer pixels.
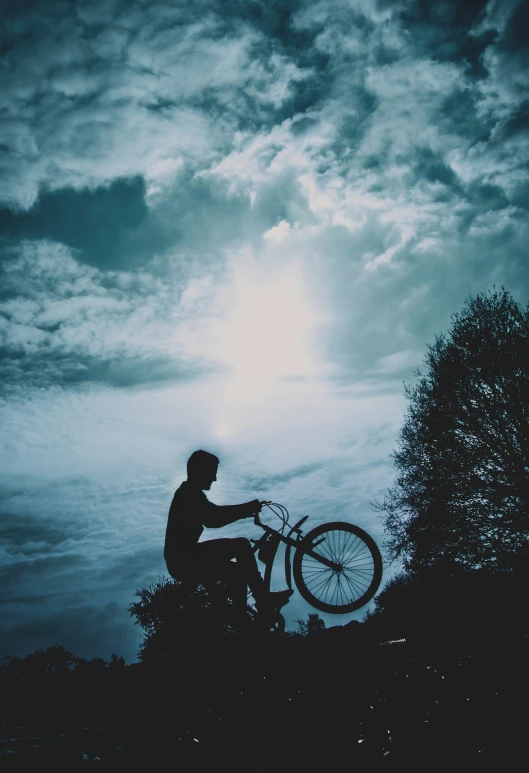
{"type": "Point", "coordinates": [201, 461]}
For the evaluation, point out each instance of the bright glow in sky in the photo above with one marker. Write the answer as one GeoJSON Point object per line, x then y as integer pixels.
{"type": "Point", "coordinates": [266, 338]}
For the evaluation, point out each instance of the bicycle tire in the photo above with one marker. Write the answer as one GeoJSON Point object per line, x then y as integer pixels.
{"type": "Point", "coordinates": [338, 592]}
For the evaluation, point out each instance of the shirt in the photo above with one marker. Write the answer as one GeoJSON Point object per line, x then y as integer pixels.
{"type": "Point", "coordinates": [189, 513]}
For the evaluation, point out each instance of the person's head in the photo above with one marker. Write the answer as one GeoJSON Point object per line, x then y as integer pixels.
{"type": "Point", "coordinates": [202, 469]}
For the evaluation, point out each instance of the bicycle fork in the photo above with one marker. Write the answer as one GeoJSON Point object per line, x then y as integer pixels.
{"type": "Point", "coordinates": [267, 545]}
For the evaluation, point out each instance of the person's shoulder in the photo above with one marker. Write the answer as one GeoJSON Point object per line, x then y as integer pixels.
{"type": "Point", "coordinates": [180, 492]}
{"type": "Point", "coordinates": [187, 492]}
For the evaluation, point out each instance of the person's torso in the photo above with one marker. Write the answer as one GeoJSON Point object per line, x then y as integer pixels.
{"type": "Point", "coordinates": [184, 524]}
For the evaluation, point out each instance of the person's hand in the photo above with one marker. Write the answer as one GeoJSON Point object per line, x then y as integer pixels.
{"type": "Point", "coordinates": [256, 506]}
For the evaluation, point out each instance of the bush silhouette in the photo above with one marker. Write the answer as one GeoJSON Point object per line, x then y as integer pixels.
{"type": "Point", "coordinates": [451, 604]}
{"type": "Point", "coordinates": [178, 616]}
{"type": "Point", "coordinates": [53, 661]}
{"type": "Point", "coordinates": [313, 624]}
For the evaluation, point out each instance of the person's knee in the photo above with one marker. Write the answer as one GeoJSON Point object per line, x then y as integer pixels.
{"type": "Point", "coordinates": [242, 546]}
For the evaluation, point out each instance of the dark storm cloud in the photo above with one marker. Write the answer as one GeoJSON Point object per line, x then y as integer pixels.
{"type": "Point", "coordinates": [512, 45]}
{"type": "Point", "coordinates": [112, 228]}
{"type": "Point", "coordinates": [103, 224]}
{"type": "Point", "coordinates": [446, 31]}
{"type": "Point", "coordinates": [49, 367]}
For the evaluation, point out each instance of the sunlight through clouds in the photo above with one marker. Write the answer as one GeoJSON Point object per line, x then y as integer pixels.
{"type": "Point", "coordinates": [266, 338]}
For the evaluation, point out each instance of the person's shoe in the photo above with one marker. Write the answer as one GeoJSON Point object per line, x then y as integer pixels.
{"type": "Point", "coordinates": [278, 599]}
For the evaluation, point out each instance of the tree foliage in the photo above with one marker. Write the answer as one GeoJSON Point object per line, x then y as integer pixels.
{"type": "Point", "coordinates": [461, 495]}
{"type": "Point", "coordinates": [312, 624]}
{"type": "Point", "coordinates": [177, 616]}
{"type": "Point", "coordinates": [53, 661]}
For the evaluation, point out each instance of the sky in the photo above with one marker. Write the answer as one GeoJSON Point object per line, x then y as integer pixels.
{"type": "Point", "coordinates": [232, 226]}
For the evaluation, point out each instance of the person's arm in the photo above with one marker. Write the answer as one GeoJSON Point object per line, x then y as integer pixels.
{"type": "Point", "coordinates": [215, 516]}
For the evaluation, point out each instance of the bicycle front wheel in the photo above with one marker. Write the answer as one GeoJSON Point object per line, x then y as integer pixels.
{"type": "Point", "coordinates": [357, 573]}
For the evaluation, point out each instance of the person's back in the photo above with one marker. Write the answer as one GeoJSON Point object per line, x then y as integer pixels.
{"type": "Point", "coordinates": [184, 525]}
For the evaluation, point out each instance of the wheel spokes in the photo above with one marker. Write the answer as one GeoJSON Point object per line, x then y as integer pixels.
{"type": "Point", "coordinates": [338, 588]}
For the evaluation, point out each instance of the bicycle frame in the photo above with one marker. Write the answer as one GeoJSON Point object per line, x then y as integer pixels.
{"type": "Point", "coordinates": [272, 539]}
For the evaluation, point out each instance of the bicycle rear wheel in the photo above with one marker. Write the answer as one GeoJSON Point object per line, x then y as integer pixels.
{"type": "Point", "coordinates": [353, 583]}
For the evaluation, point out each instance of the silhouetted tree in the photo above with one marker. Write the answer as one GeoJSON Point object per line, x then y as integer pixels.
{"type": "Point", "coordinates": [92, 666]}
{"type": "Point", "coordinates": [442, 606]}
{"type": "Point", "coordinates": [56, 660]}
{"type": "Point", "coordinates": [461, 497]}
{"type": "Point", "coordinates": [116, 661]}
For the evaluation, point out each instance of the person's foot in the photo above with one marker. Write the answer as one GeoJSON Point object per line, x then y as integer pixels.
{"type": "Point", "coordinates": [276, 600]}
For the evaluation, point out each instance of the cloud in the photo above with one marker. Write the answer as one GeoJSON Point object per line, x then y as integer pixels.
{"type": "Point", "coordinates": [61, 319]}
{"type": "Point", "coordinates": [271, 482]}
{"type": "Point", "coordinates": [88, 103]}
{"type": "Point", "coordinates": [102, 225]}
{"type": "Point", "coordinates": [278, 232]}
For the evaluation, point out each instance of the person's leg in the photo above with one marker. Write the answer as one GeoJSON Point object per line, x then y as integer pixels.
{"type": "Point", "coordinates": [245, 557]}
{"type": "Point", "coordinates": [215, 553]}
{"type": "Point", "coordinates": [215, 556]}
{"type": "Point", "coordinates": [231, 575]}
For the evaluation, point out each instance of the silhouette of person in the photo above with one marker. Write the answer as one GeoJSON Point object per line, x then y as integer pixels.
{"type": "Point", "coordinates": [188, 559]}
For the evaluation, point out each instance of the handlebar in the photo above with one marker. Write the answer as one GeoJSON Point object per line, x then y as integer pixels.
{"type": "Point", "coordinates": [279, 510]}
{"type": "Point", "coordinates": [256, 519]}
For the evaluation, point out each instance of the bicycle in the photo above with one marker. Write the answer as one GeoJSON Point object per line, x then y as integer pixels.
{"type": "Point", "coordinates": [337, 566]}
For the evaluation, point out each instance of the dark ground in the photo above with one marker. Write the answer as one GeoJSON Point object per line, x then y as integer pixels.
{"type": "Point", "coordinates": [334, 698]}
